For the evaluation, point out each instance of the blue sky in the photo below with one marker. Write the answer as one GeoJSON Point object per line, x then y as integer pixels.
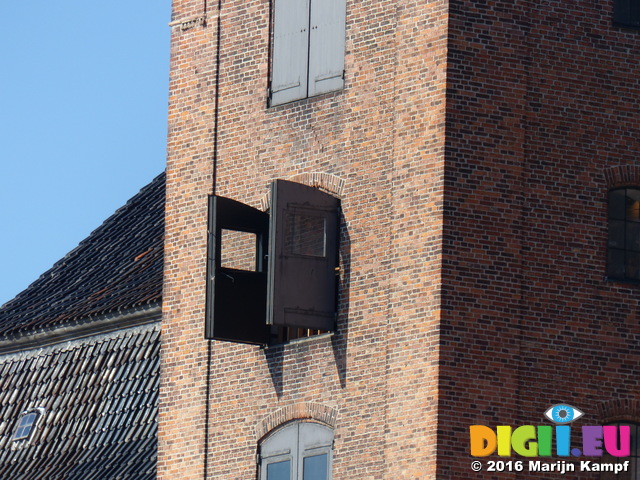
{"type": "Point", "coordinates": [83, 122]}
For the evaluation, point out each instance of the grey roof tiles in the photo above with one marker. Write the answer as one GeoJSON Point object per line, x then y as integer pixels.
{"type": "Point", "coordinates": [100, 401]}
{"type": "Point", "coordinates": [81, 344]}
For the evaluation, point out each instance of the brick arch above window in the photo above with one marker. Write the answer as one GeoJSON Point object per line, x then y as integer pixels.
{"type": "Point", "coordinates": [299, 411]}
{"type": "Point", "coordinates": [326, 182]}
{"type": "Point", "coordinates": [619, 410]}
{"type": "Point", "coordinates": [622, 176]}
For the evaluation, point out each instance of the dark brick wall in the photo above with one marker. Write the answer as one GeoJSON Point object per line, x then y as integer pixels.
{"type": "Point", "coordinates": [541, 111]}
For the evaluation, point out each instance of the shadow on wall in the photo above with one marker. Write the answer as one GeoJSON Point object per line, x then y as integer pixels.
{"type": "Point", "coordinates": [274, 355]}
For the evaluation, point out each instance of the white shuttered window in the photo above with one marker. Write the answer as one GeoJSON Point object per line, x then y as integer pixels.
{"type": "Point", "coordinates": [297, 451]}
{"type": "Point", "coordinates": [308, 49]}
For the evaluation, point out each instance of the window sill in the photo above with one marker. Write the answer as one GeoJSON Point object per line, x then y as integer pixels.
{"type": "Point", "coordinates": [627, 281]}
{"type": "Point", "coordinates": [299, 341]}
{"type": "Point", "coordinates": [626, 26]}
{"type": "Point", "coordinates": [274, 107]}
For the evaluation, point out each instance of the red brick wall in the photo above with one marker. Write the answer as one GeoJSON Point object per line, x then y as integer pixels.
{"type": "Point", "coordinates": [473, 265]}
{"type": "Point", "coordinates": [382, 136]}
{"type": "Point", "coordinates": [542, 104]}
{"type": "Point", "coordinates": [189, 179]}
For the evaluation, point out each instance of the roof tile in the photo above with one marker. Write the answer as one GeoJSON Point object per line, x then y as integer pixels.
{"type": "Point", "coordinates": [119, 266]}
{"type": "Point", "coordinates": [90, 429]}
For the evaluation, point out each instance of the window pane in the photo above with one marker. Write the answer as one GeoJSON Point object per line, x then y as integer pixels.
{"type": "Point", "coordinates": [617, 204]}
{"type": "Point", "coordinates": [315, 467]}
{"type": "Point", "coordinates": [616, 233]}
{"type": "Point", "coordinates": [633, 236]}
{"type": "Point", "coordinates": [633, 204]}
{"type": "Point", "coordinates": [27, 420]}
{"type": "Point", "coordinates": [633, 265]}
{"type": "Point", "coordinates": [615, 264]}
{"type": "Point", "coordinates": [238, 250]}
{"type": "Point", "coordinates": [24, 427]}
{"type": "Point", "coordinates": [279, 470]}
{"type": "Point", "coordinates": [305, 235]}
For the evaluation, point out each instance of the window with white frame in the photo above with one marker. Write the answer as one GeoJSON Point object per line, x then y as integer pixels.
{"type": "Point", "coordinates": [308, 49]}
{"type": "Point", "coordinates": [28, 421]}
{"type": "Point", "coordinates": [297, 451]}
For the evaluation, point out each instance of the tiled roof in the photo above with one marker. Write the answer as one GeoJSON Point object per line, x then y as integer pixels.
{"type": "Point", "coordinates": [99, 400]}
{"type": "Point", "coordinates": [119, 266]}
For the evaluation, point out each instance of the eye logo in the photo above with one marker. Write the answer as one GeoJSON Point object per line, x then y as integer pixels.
{"type": "Point", "coordinates": [538, 441]}
{"type": "Point", "coordinates": [563, 413]}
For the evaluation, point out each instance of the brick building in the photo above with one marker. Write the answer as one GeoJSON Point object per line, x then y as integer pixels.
{"type": "Point", "coordinates": [484, 157]}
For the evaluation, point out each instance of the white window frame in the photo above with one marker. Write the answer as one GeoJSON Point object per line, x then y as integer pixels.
{"type": "Point", "coordinates": [294, 442]}
{"type": "Point", "coordinates": [24, 430]}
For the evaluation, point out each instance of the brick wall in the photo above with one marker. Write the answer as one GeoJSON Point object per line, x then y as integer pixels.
{"type": "Point", "coordinates": [541, 121]}
{"type": "Point", "coordinates": [472, 148]}
{"type": "Point", "coordinates": [183, 394]}
{"type": "Point", "coordinates": [381, 140]}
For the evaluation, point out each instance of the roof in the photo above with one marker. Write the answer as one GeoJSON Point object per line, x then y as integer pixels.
{"type": "Point", "coordinates": [99, 404]}
{"type": "Point", "coordinates": [80, 352]}
{"type": "Point", "coordinates": [118, 267]}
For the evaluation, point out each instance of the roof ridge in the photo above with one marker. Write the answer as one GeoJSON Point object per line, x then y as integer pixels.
{"type": "Point", "coordinates": [115, 214]}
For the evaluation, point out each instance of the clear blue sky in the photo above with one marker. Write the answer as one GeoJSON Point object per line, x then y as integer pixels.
{"type": "Point", "coordinates": [83, 122]}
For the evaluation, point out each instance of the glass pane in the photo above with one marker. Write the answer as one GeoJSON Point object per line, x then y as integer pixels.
{"type": "Point", "coordinates": [617, 204]}
{"type": "Point", "coordinates": [633, 265]}
{"type": "Point", "coordinates": [633, 204]}
{"type": "Point", "coordinates": [27, 420]}
{"type": "Point", "coordinates": [238, 250]}
{"type": "Point", "coordinates": [279, 470]}
{"type": "Point", "coordinates": [24, 427]}
{"type": "Point", "coordinates": [615, 264]}
{"type": "Point", "coordinates": [633, 236]}
{"type": "Point", "coordinates": [305, 235]}
{"type": "Point", "coordinates": [616, 233]}
{"type": "Point", "coordinates": [315, 467]}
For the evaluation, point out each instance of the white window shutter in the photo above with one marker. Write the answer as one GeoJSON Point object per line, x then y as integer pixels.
{"type": "Point", "coordinates": [326, 46]}
{"type": "Point", "coordinates": [290, 51]}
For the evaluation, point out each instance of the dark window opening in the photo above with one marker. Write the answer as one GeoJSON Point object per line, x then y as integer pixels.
{"type": "Point", "coordinates": [272, 277]}
{"type": "Point", "coordinates": [626, 13]}
{"type": "Point", "coordinates": [286, 334]}
{"type": "Point", "coordinates": [623, 262]}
